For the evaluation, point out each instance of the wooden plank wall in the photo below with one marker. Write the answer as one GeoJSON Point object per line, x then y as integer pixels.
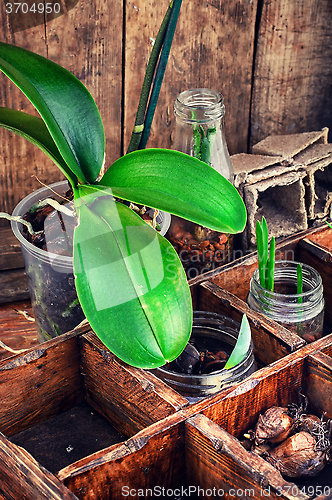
{"type": "Point", "coordinates": [271, 59]}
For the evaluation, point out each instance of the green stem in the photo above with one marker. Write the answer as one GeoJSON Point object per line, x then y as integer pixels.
{"type": "Point", "coordinates": [262, 254]}
{"type": "Point", "coordinates": [160, 71]}
{"type": "Point", "coordinates": [150, 70]}
{"type": "Point", "coordinates": [270, 267]}
{"type": "Point", "coordinates": [299, 290]}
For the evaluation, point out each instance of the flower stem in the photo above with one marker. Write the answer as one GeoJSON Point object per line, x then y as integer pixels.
{"type": "Point", "coordinates": [150, 70]}
{"type": "Point", "coordinates": [160, 71]}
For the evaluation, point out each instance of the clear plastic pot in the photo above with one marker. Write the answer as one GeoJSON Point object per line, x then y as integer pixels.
{"type": "Point", "coordinates": [301, 313]}
{"type": "Point", "coordinates": [210, 330]}
{"type": "Point", "coordinates": [50, 276]}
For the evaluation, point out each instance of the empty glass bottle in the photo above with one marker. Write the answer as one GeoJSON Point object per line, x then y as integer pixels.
{"type": "Point", "coordinates": [199, 132]}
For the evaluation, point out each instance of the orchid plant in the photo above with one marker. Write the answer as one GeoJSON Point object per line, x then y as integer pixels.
{"type": "Point", "coordinates": [129, 279]}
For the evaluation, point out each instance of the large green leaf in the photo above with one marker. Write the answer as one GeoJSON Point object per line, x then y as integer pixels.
{"type": "Point", "coordinates": [130, 283]}
{"type": "Point", "coordinates": [179, 184]}
{"type": "Point", "coordinates": [64, 104]}
{"type": "Point", "coordinates": [34, 130]}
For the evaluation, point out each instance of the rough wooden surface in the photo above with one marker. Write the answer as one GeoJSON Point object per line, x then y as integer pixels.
{"type": "Point", "coordinates": [153, 457]}
{"type": "Point", "coordinates": [213, 47]}
{"type": "Point", "coordinates": [87, 40]}
{"type": "Point", "coordinates": [48, 373]}
{"type": "Point", "coordinates": [130, 398]}
{"type": "Point", "coordinates": [214, 453]}
{"type": "Point", "coordinates": [215, 458]}
{"type": "Point", "coordinates": [291, 86]}
{"type": "Point", "coordinates": [22, 477]}
{"type": "Point", "coordinates": [319, 256]}
{"type": "Point", "coordinates": [17, 331]}
{"type": "Point", "coordinates": [107, 46]}
{"type": "Point", "coordinates": [271, 340]}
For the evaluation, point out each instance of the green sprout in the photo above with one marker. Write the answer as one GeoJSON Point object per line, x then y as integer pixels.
{"type": "Point", "coordinates": [266, 259]}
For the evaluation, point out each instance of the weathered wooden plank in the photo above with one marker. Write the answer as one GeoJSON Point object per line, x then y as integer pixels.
{"type": "Point", "coordinates": [129, 397]}
{"type": "Point", "coordinates": [153, 458]}
{"type": "Point", "coordinates": [39, 383]}
{"type": "Point", "coordinates": [13, 286]}
{"type": "Point", "coordinates": [319, 385]}
{"type": "Point", "coordinates": [16, 330]}
{"type": "Point", "coordinates": [87, 40]}
{"type": "Point", "coordinates": [22, 477]}
{"type": "Point", "coordinates": [214, 453]}
{"type": "Point", "coordinates": [218, 463]}
{"type": "Point", "coordinates": [291, 86]}
{"type": "Point", "coordinates": [212, 48]}
{"type": "Point", "coordinates": [320, 258]}
{"type": "Point", "coordinates": [10, 250]}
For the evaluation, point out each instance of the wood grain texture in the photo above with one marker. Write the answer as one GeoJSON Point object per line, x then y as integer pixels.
{"type": "Point", "coordinates": [291, 87]}
{"type": "Point", "coordinates": [39, 383]}
{"type": "Point", "coordinates": [212, 47]}
{"type": "Point", "coordinates": [215, 459]}
{"type": "Point", "coordinates": [22, 477]}
{"type": "Point", "coordinates": [130, 398]}
{"type": "Point", "coordinates": [10, 250]}
{"type": "Point", "coordinates": [16, 331]}
{"type": "Point", "coordinates": [87, 40]}
{"type": "Point", "coordinates": [319, 256]}
{"type": "Point", "coordinates": [153, 457]}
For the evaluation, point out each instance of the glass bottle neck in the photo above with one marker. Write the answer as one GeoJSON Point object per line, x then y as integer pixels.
{"type": "Point", "coordinates": [199, 129]}
{"type": "Point", "coordinates": [199, 106]}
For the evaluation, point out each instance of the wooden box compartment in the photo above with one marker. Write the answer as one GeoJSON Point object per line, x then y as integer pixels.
{"type": "Point", "coordinates": [216, 458]}
{"type": "Point", "coordinates": [271, 341]}
{"type": "Point", "coordinates": [72, 415]}
{"type": "Point", "coordinates": [313, 247]}
{"type": "Point", "coordinates": [235, 277]}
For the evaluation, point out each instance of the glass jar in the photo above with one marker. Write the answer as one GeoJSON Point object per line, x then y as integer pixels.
{"type": "Point", "coordinates": [212, 332]}
{"type": "Point", "coordinates": [300, 313]}
{"type": "Point", "coordinates": [199, 132]}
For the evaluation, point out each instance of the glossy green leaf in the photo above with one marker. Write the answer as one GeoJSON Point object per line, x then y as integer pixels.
{"type": "Point", "coordinates": [64, 104]}
{"type": "Point", "coordinates": [34, 130]}
{"type": "Point", "coordinates": [242, 344]}
{"type": "Point", "coordinates": [178, 184]}
{"type": "Point", "coordinates": [130, 282]}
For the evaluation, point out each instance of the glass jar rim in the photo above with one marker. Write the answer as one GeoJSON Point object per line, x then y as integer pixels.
{"type": "Point", "coordinates": [208, 102]}
{"type": "Point", "coordinates": [290, 264]}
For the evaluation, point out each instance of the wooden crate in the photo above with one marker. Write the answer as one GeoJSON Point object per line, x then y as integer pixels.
{"type": "Point", "coordinates": [145, 434]}
{"type": "Point", "coordinates": [216, 458]}
{"type": "Point", "coordinates": [95, 423]}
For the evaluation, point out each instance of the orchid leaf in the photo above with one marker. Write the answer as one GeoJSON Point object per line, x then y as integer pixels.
{"type": "Point", "coordinates": [179, 184]}
{"type": "Point", "coordinates": [65, 105]}
{"type": "Point", "coordinates": [242, 345]}
{"type": "Point", "coordinates": [130, 282]}
{"type": "Point", "coordinates": [34, 130]}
